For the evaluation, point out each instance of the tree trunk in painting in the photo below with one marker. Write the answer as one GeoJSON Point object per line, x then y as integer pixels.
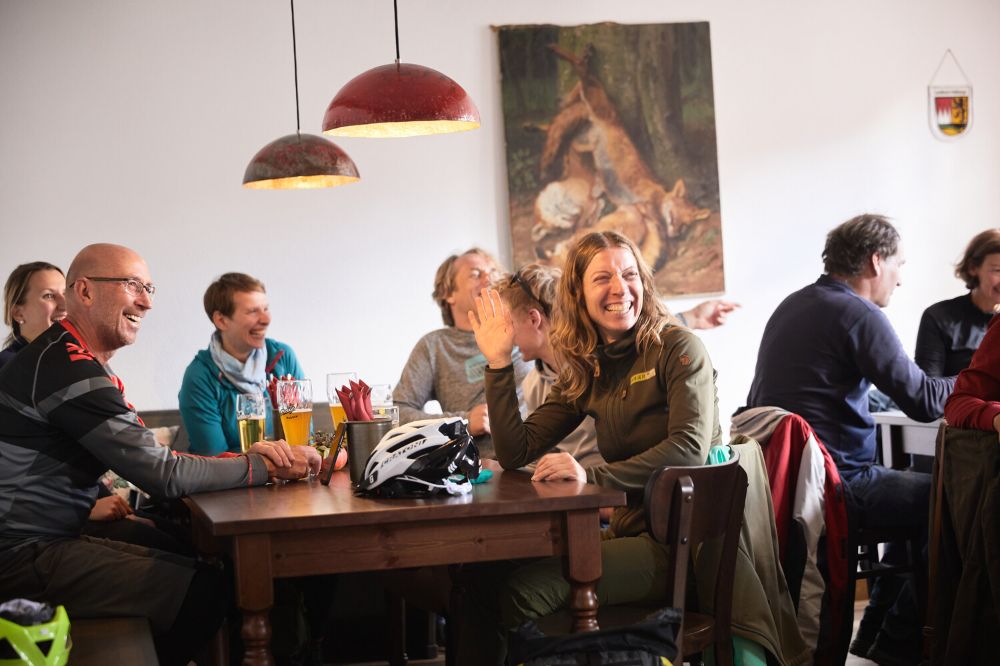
{"type": "Point", "coordinates": [644, 85]}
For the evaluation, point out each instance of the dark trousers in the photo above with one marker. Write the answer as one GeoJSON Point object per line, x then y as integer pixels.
{"type": "Point", "coordinates": [881, 497]}
{"type": "Point", "coordinates": [183, 600]}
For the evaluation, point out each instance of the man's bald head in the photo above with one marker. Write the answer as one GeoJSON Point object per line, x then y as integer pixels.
{"type": "Point", "coordinates": [98, 259]}
{"type": "Point", "coordinates": [106, 297]}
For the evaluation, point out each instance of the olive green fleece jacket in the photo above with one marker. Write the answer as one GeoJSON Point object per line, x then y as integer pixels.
{"type": "Point", "coordinates": [650, 409]}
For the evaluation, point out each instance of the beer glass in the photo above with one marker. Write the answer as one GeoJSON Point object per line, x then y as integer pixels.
{"type": "Point", "coordinates": [381, 395]}
{"type": "Point", "coordinates": [251, 417]}
{"type": "Point", "coordinates": [386, 412]}
{"type": "Point", "coordinates": [295, 406]}
{"type": "Point", "coordinates": [334, 381]}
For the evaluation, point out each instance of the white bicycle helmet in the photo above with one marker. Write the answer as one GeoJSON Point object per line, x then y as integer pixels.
{"type": "Point", "coordinates": [422, 458]}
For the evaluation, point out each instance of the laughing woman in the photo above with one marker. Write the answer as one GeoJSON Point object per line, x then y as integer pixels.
{"type": "Point", "coordinates": [33, 301]}
{"type": "Point", "coordinates": [950, 331]}
{"type": "Point", "coordinates": [650, 387]}
{"type": "Point", "coordinates": [239, 359]}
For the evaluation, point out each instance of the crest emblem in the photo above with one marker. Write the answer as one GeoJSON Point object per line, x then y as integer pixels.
{"type": "Point", "coordinates": [950, 110]}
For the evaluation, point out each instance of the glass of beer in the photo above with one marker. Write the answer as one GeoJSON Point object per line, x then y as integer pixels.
{"type": "Point", "coordinates": [295, 406]}
{"type": "Point", "coordinates": [381, 395]}
{"type": "Point", "coordinates": [250, 416]}
{"type": "Point", "coordinates": [334, 381]}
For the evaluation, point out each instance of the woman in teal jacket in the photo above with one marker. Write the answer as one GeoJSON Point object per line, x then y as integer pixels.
{"type": "Point", "coordinates": [239, 359]}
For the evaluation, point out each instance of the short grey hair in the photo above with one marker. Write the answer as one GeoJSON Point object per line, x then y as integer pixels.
{"type": "Point", "coordinates": [850, 246]}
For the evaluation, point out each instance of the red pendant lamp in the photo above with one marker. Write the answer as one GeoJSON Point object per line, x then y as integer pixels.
{"type": "Point", "coordinates": [299, 161]}
{"type": "Point", "coordinates": [400, 99]}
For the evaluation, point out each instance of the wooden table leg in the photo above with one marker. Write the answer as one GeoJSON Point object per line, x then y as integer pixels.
{"type": "Point", "coordinates": [582, 567]}
{"type": "Point", "coordinates": [254, 596]}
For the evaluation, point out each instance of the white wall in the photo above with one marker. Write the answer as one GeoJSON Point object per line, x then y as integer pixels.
{"type": "Point", "coordinates": [132, 122]}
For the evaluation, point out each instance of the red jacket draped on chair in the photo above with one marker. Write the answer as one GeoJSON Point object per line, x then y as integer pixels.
{"type": "Point", "coordinates": [808, 502]}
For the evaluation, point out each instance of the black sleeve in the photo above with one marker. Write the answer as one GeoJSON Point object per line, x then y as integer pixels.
{"type": "Point", "coordinates": [932, 346]}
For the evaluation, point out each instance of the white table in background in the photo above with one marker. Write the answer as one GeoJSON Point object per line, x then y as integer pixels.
{"type": "Point", "coordinates": [902, 436]}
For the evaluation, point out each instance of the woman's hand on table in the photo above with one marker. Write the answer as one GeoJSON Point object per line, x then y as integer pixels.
{"type": "Point", "coordinates": [110, 508]}
{"type": "Point", "coordinates": [559, 467]}
{"type": "Point", "coordinates": [494, 329]}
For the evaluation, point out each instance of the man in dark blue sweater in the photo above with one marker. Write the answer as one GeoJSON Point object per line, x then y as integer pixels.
{"type": "Point", "coordinates": [822, 350]}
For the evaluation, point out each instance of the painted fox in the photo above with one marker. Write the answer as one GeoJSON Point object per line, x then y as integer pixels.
{"type": "Point", "coordinates": [643, 224]}
{"type": "Point", "coordinates": [600, 162]}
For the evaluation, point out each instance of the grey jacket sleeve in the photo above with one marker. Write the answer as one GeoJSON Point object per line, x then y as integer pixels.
{"type": "Point", "coordinates": [117, 439]}
{"type": "Point", "coordinates": [133, 454]}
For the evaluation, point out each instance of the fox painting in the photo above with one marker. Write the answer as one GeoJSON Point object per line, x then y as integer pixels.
{"type": "Point", "coordinates": [612, 127]}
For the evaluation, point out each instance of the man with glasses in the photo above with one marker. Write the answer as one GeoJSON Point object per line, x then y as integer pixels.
{"type": "Point", "coordinates": [446, 365]}
{"type": "Point", "coordinates": [64, 420]}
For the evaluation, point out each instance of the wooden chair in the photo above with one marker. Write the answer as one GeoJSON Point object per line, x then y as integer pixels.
{"type": "Point", "coordinates": [683, 518]}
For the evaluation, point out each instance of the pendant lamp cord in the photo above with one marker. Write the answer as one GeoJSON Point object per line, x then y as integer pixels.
{"type": "Point", "coordinates": [395, 23]}
{"type": "Point", "coordinates": [295, 65]}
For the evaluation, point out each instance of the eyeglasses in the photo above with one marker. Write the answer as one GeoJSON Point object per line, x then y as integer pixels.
{"type": "Point", "coordinates": [516, 278]}
{"type": "Point", "coordinates": [132, 285]}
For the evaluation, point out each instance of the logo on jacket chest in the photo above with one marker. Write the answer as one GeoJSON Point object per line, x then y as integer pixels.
{"type": "Point", "coordinates": [642, 376]}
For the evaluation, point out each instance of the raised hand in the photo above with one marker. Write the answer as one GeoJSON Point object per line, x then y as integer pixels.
{"type": "Point", "coordinates": [493, 328]}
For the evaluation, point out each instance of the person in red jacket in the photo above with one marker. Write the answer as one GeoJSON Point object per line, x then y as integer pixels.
{"type": "Point", "coordinates": [975, 402]}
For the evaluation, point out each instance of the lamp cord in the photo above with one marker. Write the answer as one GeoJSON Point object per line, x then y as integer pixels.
{"type": "Point", "coordinates": [395, 23]}
{"type": "Point", "coordinates": [295, 65]}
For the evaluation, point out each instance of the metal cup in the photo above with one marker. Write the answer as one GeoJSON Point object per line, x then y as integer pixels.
{"type": "Point", "coordinates": [362, 438]}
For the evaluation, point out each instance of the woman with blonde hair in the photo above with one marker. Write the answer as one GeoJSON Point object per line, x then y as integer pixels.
{"type": "Point", "coordinates": [650, 387]}
{"type": "Point", "coordinates": [33, 301]}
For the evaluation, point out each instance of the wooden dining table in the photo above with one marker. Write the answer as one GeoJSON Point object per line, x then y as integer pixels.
{"type": "Point", "coordinates": [304, 528]}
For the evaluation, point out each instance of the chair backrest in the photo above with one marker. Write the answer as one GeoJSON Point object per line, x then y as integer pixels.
{"type": "Point", "coordinates": [687, 506]}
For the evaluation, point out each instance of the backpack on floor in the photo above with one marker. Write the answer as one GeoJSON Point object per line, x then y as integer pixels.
{"type": "Point", "coordinates": [646, 643]}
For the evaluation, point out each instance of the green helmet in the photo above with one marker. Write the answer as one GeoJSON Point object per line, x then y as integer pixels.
{"type": "Point", "coordinates": [24, 626]}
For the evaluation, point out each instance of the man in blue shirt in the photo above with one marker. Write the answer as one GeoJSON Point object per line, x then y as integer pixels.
{"type": "Point", "coordinates": [822, 350]}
